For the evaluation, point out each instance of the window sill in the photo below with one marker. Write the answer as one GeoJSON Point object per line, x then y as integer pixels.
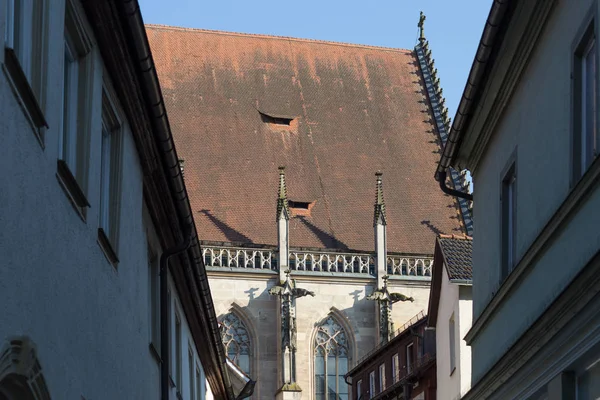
{"type": "Point", "coordinates": [155, 353]}
{"type": "Point", "coordinates": [106, 247]}
{"type": "Point", "coordinates": [71, 187]}
{"type": "Point", "coordinates": [25, 95]}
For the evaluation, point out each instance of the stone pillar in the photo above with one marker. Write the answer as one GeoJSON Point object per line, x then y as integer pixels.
{"type": "Point", "coordinates": [379, 224]}
{"type": "Point", "coordinates": [283, 230]}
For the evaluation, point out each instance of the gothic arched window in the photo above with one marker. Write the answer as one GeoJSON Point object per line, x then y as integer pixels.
{"type": "Point", "coordinates": [236, 340]}
{"type": "Point", "coordinates": [331, 361]}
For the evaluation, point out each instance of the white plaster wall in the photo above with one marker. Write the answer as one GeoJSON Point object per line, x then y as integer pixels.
{"type": "Point", "coordinates": [465, 313]}
{"type": "Point", "coordinates": [536, 125]}
{"type": "Point", "coordinates": [355, 312]}
{"type": "Point", "coordinates": [448, 382]}
{"type": "Point", "coordinates": [90, 321]}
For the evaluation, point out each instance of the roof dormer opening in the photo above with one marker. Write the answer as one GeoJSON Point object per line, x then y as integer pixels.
{"type": "Point", "coordinates": [270, 119]}
{"type": "Point", "coordinates": [300, 208]}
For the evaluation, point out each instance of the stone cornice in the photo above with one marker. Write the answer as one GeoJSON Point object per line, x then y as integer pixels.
{"type": "Point", "coordinates": [571, 301]}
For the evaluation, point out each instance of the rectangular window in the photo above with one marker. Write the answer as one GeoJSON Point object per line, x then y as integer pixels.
{"type": "Point", "coordinates": [75, 118]}
{"type": "Point", "coordinates": [359, 390]}
{"type": "Point", "coordinates": [154, 298]}
{"type": "Point", "coordinates": [382, 377]}
{"type": "Point", "coordinates": [110, 177]}
{"type": "Point", "coordinates": [372, 392]}
{"type": "Point", "coordinates": [24, 57]}
{"type": "Point", "coordinates": [509, 204]}
{"type": "Point", "coordinates": [395, 368]}
{"type": "Point", "coordinates": [198, 383]}
{"type": "Point", "coordinates": [585, 143]}
{"type": "Point", "coordinates": [191, 370]}
{"type": "Point", "coordinates": [452, 337]}
{"type": "Point", "coordinates": [409, 358]}
{"type": "Point", "coordinates": [178, 350]}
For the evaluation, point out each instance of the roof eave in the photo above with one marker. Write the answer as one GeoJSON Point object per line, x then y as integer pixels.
{"type": "Point", "coordinates": [478, 76]}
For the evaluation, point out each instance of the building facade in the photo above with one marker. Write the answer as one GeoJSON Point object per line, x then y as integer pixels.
{"type": "Point", "coordinates": [92, 217]}
{"type": "Point", "coordinates": [402, 368]}
{"type": "Point", "coordinates": [450, 314]}
{"type": "Point", "coordinates": [298, 259]}
{"type": "Point", "coordinates": [527, 130]}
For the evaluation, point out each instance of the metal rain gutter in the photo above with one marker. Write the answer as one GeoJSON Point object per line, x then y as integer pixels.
{"type": "Point", "coordinates": [160, 124]}
{"type": "Point", "coordinates": [473, 86]}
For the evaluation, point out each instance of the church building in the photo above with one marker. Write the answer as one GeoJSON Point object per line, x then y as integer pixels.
{"type": "Point", "coordinates": [309, 168]}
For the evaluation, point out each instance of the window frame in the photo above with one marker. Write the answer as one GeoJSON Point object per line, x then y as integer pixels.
{"type": "Point", "coordinates": [154, 296]}
{"type": "Point", "coordinates": [395, 368]}
{"type": "Point", "coordinates": [191, 369]}
{"type": "Point", "coordinates": [508, 219]}
{"type": "Point", "coordinates": [359, 389]}
{"type": "Point", "coordinates": [372, 391]}
{"type": "Point", "coordinates": [581, 162]}
{"type": "Point", "coordinates": [452, 340]}
{"type": "Point", "coordinates": [382, 383]}
{"type": "Point", "coordinates": [339, 350]}
{"type": "Point", "coordinates": [198, 392]}
{"type": "Point", "coordinates": [25, 42]}
{"type": "Point", "coordinates": [78, 93]}
{"type": "Point", "coordinates": [178, 352]}
{"type": "Point", "coordinates": [409, 357]}
{"type": "Point", "coordinates": [111, 170]}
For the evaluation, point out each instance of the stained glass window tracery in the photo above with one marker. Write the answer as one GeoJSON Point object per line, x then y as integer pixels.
{"type": "Point", "coordinates": [331, 361]}
{"type": "Point", "coordinates": [236, 340]}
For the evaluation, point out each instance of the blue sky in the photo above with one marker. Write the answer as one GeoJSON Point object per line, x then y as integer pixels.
{"type": "Point", "coordinates": [453, 28]}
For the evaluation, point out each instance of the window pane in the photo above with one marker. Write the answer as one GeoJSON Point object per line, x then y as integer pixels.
{"type": "Point", "coordinates": [330, 365]}
{"type": "Point", "coordinates": [342, 385]}
{"type": "Point", "coordinates": [342, 365]}
{"type": "Point", "coordinates": [319, 365]}
{"type": "Point", "coordinates": [244, 363]}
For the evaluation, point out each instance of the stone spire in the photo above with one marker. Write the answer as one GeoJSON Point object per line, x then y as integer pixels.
{"type": "Point", "coordinates": [283, 229]}
{"type": "Point", "coordinates": [379, 224]}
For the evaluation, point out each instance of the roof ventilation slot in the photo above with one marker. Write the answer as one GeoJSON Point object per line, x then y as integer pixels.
{"type": "Point", "coordinates": [269, 119]}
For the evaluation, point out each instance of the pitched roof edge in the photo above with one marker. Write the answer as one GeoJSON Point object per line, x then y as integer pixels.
{"type": "Point", "coordinates": [439, 110]}
{"type": "Point", "coordinates": [266, 36]}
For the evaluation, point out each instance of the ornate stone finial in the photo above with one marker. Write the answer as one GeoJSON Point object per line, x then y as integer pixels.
{"type": "Point", "coordinates": [434, 74]}
{"type": "Point", "coordinates": [436, 82]}
{"type": "Point", "coordinates": [379, 217]}
{"type": "Point", "coordinates": [440, 92]}
{"type": "Point", "coordinates": [431, 63]}
{"type": "Point", "coordinates": [282, 200]}
{"type": "Point", "coordinates": [421, 26]}
{"type": "Point", "coordinates": [427, 51]}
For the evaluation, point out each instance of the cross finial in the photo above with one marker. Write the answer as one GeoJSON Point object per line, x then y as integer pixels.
{"type": "Point", "coordinates": [282, 201]}
{"type": "Point", "coordinates": [421, 26]}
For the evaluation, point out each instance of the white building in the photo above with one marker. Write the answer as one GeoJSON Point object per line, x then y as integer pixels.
{"type": "Point", "coordinates": [527, 129]}
{"type": "Point", "coordinates": [92, 200]}
{"type": "Point", "coordinates": [450, 314]}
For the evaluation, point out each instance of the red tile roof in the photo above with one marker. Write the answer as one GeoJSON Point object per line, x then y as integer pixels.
{"type": "Point", "coordinates": [355, 109]}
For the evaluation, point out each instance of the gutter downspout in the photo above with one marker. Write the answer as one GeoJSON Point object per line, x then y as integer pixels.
{"type": "Point", "coordinates": [160, 124]}
{"type": "Point", "coordinates": [452, 192]}
{"type": "Point", "coordinates": [164, 310]}
{"type": "Point", "coordinates": [472, 88]}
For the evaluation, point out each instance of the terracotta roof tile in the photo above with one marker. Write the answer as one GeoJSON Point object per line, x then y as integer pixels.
{"type": "Point", "coordinates": [355, 110]}
{"type": "Point", "coordinates": [457, 252]}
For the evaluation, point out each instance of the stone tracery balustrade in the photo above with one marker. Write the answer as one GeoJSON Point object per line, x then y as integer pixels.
{"type": "Point", "coordinates": [312, 261]}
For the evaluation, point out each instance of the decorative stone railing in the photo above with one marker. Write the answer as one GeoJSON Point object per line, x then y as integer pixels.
{"type": "Point", "coordinates": [312, 261]}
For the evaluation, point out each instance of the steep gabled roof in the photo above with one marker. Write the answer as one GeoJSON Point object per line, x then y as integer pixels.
{"type": "Point", "coordinates": [454, 254]}
{"type": "Point", "coordinates": [458, 257]}
{"type": "Point", "coordinates": [332, 113]}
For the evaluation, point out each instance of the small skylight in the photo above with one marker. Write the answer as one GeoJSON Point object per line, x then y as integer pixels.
{"type": "Point", "coordinates": [269, 119]}
{"type": "Point", "coordinates": [300, 208]}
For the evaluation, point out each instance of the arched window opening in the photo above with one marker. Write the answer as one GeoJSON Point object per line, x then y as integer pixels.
{"type": "Point", "coordinates": [236, 340]}
{"type": "Point", "coordinates": [331, 361]}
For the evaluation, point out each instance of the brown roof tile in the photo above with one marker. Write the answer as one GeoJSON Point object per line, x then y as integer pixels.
{"type": "Point", "coordinates": [356, 109]}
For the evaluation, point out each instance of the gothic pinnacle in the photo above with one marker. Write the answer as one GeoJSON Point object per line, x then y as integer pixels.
{"type": "Point", "coordinates": [282, 200]}
{"type": "Point", "coordinates": [379, 216]}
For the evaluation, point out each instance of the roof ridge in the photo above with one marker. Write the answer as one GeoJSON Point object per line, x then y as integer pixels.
{"type": "Point", "coordinates": [266, 36]}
